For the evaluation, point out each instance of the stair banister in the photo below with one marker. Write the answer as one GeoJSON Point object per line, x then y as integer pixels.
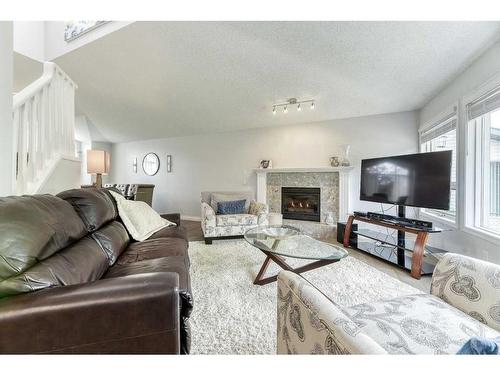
{"type": "Point", "coordinates": [44, 125]}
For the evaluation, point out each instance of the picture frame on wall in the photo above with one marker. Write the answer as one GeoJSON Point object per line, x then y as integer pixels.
{"type": "Point", "coordinates": [169, 163]}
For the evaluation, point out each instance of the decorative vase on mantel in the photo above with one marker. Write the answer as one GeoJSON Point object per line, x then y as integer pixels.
{"type": "Point", "coordinates": [345, 159]}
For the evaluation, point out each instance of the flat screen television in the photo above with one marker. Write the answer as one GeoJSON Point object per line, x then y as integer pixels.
{"type": "Point", "coordinates": [417, 180]}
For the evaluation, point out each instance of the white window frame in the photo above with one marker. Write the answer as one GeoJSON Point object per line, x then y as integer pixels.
{"type": "Point", "coordinates": [451, 113]}
{"type": "Point", "coordinates": [472, 182]}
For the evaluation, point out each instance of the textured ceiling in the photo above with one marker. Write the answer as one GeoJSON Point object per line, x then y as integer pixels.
{"type": "Point", "coordinates": [164, 79]}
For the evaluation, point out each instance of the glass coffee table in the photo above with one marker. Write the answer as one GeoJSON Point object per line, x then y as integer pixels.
{"type": "Point", "coordinates": [280, 242]}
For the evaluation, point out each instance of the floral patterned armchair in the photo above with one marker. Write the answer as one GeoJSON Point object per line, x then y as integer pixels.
{"type": "Point", "coordinates": [464, 302]}
{"type": "Point", "coordinates": [230, 226]}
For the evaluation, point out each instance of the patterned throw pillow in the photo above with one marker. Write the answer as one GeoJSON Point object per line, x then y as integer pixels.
{"type": "Point", "coordinates": [231, 207]}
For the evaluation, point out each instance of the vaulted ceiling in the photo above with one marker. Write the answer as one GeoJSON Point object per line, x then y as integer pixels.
{"type": "Point", "coordinates": [164, 79]}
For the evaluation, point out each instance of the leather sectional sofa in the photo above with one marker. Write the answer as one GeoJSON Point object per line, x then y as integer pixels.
{"type": "Point", "coordinates": [73, 281]}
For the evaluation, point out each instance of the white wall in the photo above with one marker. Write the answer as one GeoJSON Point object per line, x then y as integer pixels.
{"type": "Point", "coordinates": [44, 40]}
{"type": "Point", "coordinates": [482, 70]}
{"type": "Point", "coordinates": [29, 39]}
{"type": "Point", "coordinates": [478, 73]}
{"type": "Point", "coordinates": [225, 161]}
{"type": "Point", "coordinates": [82, 134]}
{"type": "Point", "coordinates": [6, 123]}
{"type": "Point", "coordinates": [65, 175]}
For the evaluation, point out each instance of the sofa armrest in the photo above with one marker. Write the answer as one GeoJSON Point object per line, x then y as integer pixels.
{"type": "Point", "coordinates": [131, 314]}
{"type": "Point", "coordinates": [207, 217]}
{"type": "Point", "coordinates": [471, 285]}
{"type": "Point", "coordinates": [174, 218]}
{"type": "Point", "coordinates": [309, 323]}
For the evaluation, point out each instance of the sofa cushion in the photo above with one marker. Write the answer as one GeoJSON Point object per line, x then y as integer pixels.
{"type": "Point", "coordinates": [33, 228]}
{"type": "Point", "coordinates": [169, 232]}
{"type": "Point", "coordinates": [237, 219]}
{"type": "Point", "coordinates": [471, 285]}
{"type": "Point", "coordinates": [152, 249]}
{"type": "Point", "coordinates": [231, 207]}
{"type": "Point", "coordinates": [79, 263]}
{"type": "Point", "coordinates": [215, 198]}
{"type": "Point", "coordinates": [417, 324]}
{"type": "Point", "coordinates": [94, 206]}
{"type": "Point", "coordinates": [113, 239]}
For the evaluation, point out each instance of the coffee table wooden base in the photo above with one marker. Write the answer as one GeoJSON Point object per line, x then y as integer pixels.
{"type": "Point", "coordinates": [280, 261]}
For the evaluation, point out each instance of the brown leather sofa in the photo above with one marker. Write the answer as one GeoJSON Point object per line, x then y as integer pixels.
{"type": "Point", "coordinates": [73, 281]}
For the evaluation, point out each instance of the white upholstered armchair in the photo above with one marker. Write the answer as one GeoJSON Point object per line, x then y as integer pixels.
{"type": "Point", "coordinates": [464, 303]}
{"type": "Point", "coordinates": [216, 226]}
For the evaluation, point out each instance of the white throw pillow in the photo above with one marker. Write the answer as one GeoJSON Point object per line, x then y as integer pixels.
{"type": "Point", "coordinates": [139, 218]}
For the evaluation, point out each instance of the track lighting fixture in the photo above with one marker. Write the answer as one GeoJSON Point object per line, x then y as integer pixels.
{"type": "Point", "coordinates": [293, 102]}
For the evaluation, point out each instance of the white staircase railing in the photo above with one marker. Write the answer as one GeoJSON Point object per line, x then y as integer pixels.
{"type": "Point", "coordinates": [44, 123]}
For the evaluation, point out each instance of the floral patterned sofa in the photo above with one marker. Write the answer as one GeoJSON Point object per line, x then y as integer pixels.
{"type": "Point", "coordinates": [464, 302]}
{"type": "Point", "coordinates": [230, 226]}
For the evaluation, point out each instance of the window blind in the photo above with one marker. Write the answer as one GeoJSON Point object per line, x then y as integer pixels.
{"type": "Point", "coordinates": [438, 129]}
{"type": "Point", "coordinates": [484, 104]}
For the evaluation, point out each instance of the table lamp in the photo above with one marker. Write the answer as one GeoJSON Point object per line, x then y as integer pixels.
{"type": "Point", "coordinates": [98, 163]}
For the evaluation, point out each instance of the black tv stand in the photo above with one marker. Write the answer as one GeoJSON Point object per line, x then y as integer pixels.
{"type": "Point", "coordinates": [409, 254]}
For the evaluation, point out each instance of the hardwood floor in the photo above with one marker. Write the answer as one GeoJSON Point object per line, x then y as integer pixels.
{"type": "Point", "coordinates": [195, 234]}
{"type": "Point", "coordinates": [193, 228]}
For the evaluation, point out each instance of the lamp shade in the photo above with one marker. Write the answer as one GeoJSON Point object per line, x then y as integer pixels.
{"type": "Point", "coordinates": [98, 161]}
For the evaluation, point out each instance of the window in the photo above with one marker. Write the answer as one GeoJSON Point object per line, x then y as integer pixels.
{"type": "Point", "coordinates": [483, 162]}
{"type": "Point", "coordinates": [442, 136]}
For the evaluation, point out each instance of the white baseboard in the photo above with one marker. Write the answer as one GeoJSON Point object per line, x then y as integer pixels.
{"type": "Point", "coordinates": [191, 218]}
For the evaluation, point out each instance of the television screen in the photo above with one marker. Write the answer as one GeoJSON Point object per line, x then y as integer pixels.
{"type": "Point", "coordinates": [418, 180]}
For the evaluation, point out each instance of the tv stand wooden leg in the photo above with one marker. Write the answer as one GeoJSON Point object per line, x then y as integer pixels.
{"type": "Point", "coordinates": [417, 258]}
{"type": "Point", "coordinates": [348, 229]}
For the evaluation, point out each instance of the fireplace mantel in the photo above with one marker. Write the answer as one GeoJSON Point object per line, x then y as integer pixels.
{"type": "Point", "coordinates": [343, 172]}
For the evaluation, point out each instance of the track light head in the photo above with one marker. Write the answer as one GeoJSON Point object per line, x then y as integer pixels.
{"type": "Point", "coordinates": [312, 105]}
{"type": "Point", "coordinates": [274, 110]}
{"type": "Point", "coordinates": [299, 108]}
{"type": "Point", "coordinates": [285, 109]}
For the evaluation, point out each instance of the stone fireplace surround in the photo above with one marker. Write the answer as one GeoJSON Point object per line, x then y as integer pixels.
{"type": "Point", "coordinates": [333, 182]}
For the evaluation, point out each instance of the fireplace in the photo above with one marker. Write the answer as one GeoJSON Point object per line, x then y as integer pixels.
{"type": "Point", "coordinates": [300, 203]}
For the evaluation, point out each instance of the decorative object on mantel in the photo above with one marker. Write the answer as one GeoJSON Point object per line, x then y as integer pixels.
{"type": "Point", "coordinates": [169, 163]}
{"type": "Point", "coordinates": [265, 164]}
{"type": "Point", "coordinates": [75, 29]}
{"type": "Point", "coordinates": [98, 163]}
{"type": "Point", "coordinates": [293, 102]}
{"type": "Point", "coordinates": [151, 164]}
{"type": "Point", "coordinates": [345, 160]}
{"type": "Point", "coordinates": [134, 165]}
{"type": "Point", "coordinates": [334, 161]}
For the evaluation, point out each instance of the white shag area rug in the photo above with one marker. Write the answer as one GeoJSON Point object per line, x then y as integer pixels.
{"type": "Point", "coordinates": [233, 316]}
